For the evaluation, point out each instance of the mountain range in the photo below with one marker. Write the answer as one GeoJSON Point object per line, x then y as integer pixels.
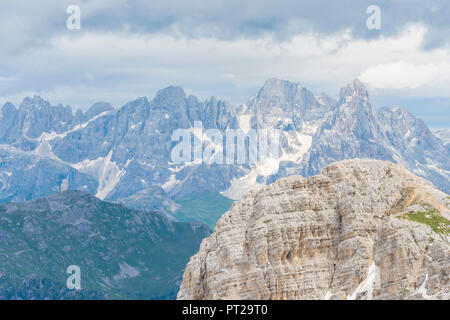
{"type": "Point", "coordinates": [124, 155]}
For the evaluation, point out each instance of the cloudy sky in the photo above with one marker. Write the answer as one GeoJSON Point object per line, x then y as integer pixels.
{"type": "Point", "coordinates": [127, 49]}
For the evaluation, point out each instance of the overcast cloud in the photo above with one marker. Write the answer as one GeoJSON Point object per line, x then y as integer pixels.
{"type": "Point", "coordinates": [127, 49]}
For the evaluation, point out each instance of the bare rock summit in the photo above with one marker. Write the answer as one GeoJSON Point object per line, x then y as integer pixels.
{"type": "Point", "coordinates": [362, 229]}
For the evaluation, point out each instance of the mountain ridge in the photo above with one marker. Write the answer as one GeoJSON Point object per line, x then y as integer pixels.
{"type": "Point", "coordinates": [122, 253]}
{"type": "Point", "coordinates": [127, 151]}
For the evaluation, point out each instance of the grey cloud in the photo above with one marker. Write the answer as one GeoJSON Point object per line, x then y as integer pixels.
{"type": "Point", "coordinates": [29, 63]}
{"type": "Point", "coordinates": [282, 19]}
{"type": "Point", "coordinates": [33, 23]}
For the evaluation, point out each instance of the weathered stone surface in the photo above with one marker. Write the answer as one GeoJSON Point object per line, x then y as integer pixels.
{"type": "Point", "coordinates": [343, 234]}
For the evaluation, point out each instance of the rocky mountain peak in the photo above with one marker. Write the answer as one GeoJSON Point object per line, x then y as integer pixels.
{"type": "Point", "coordinates": [354, 92]}
{"type": "Point", "coordinates": [282, 103]}
{"type": "Point", "coordinates": [363, 229]}
{"type": "Point", "coordinates": [274, 84]}
{"type": "Point", "coordinates": [444, 135]}
{"type": "Point", "coordinates": [327, 100]}
{"type": "Point", "coordinates": [98, 108]}
{"type": "Point", "coordinates": [279, 91]}
{"type": "Point", "coordinates": [170, 97]}
{"type": "Point", "coordinates": [7, 108]}
{"type": "Point", "coordinates": [134, 106]}
{"type": "Point", "coordinates": [35, 101]}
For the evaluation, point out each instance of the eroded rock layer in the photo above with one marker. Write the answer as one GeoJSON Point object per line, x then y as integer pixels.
{"type": "Point", "coordinates": [363, 229]}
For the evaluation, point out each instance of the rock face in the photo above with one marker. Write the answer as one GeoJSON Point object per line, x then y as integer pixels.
{"type": "Point", "coordinates": [363, 229]}
{"type": "Point", "coordinates": [444, 135]}
{"type": "Point", "coordinates": [25, 176]}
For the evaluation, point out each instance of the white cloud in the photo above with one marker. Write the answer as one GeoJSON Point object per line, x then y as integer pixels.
{"type": "Point", "coordinates": [406, 75]}
{"type": "Point", "coordinates": [80, 69]}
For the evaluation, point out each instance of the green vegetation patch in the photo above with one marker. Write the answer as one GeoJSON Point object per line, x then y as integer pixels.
{"type": "Point", "coordinates": [431, 217]}
{"type": "Point", "coordinates": [447, 201]}
{"type": "Point", "coordinates": [206, 207]}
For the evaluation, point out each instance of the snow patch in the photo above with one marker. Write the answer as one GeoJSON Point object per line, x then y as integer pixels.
{"type": "Point", "coordinates": [242, 185]}
{"type": "Point", "coordinates": [423, 291]}
{"type": "Point", "coordinates": [64, 184]}
{"type": "Point", "coordinates": [245, 122]}
{"type": "Point", "coordinates": [369, 284]}
{"type": "Point", "coordinates": [170, 183]}
{"type": "Point", "coordinates": [301, 144]}
{"type": "Point", "coordinates": [105, 171]}
{"type": "Point", "coordinates": [44, 149]}
{"type": "Point", "coordinates": [126, 271]}
{"type": "Point", "coordinates": [47, 136]}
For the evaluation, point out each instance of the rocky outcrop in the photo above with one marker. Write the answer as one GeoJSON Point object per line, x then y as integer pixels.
{"type": "Point", "coordinates": [363, 229]}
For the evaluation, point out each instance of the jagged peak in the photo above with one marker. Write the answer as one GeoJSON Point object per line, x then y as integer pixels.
{"type": "Point", "coordinates": [277, 90]}
{"type": "Point", "coordinates": [134, 105]}
{"type": "Point", "coordinates": [7, 106]}
{"type": "Point", "coordinates": [275, 83]}
{"type": "Point", "coordinates": [35, 100]}
{"type": "Point", "coordinates": [398, 112]}
{"type": "Point", "coordinates": [170, 98]}
{"type": "Point", "coordinates": [98, 108]}
{"type": "Point", "coordinates": [401, 111]}
{"type": "Point", "coordinates": [326, 99]}
{"type": "Point", "coordinates": [192, 99]}
{"type": "Point", "coordinates": [137, 101]}
{"type": "Point", "coordinates": [39, 103]}
{"type": "Point", "coordinates": [213, 99]}
{"type": "Point", "coordinates": [356, 87]}
{"type": "Point", "coordinates": [171, 91]}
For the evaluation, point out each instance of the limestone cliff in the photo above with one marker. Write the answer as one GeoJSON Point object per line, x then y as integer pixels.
{"type": "Point", "coordinates": [363, 229]}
